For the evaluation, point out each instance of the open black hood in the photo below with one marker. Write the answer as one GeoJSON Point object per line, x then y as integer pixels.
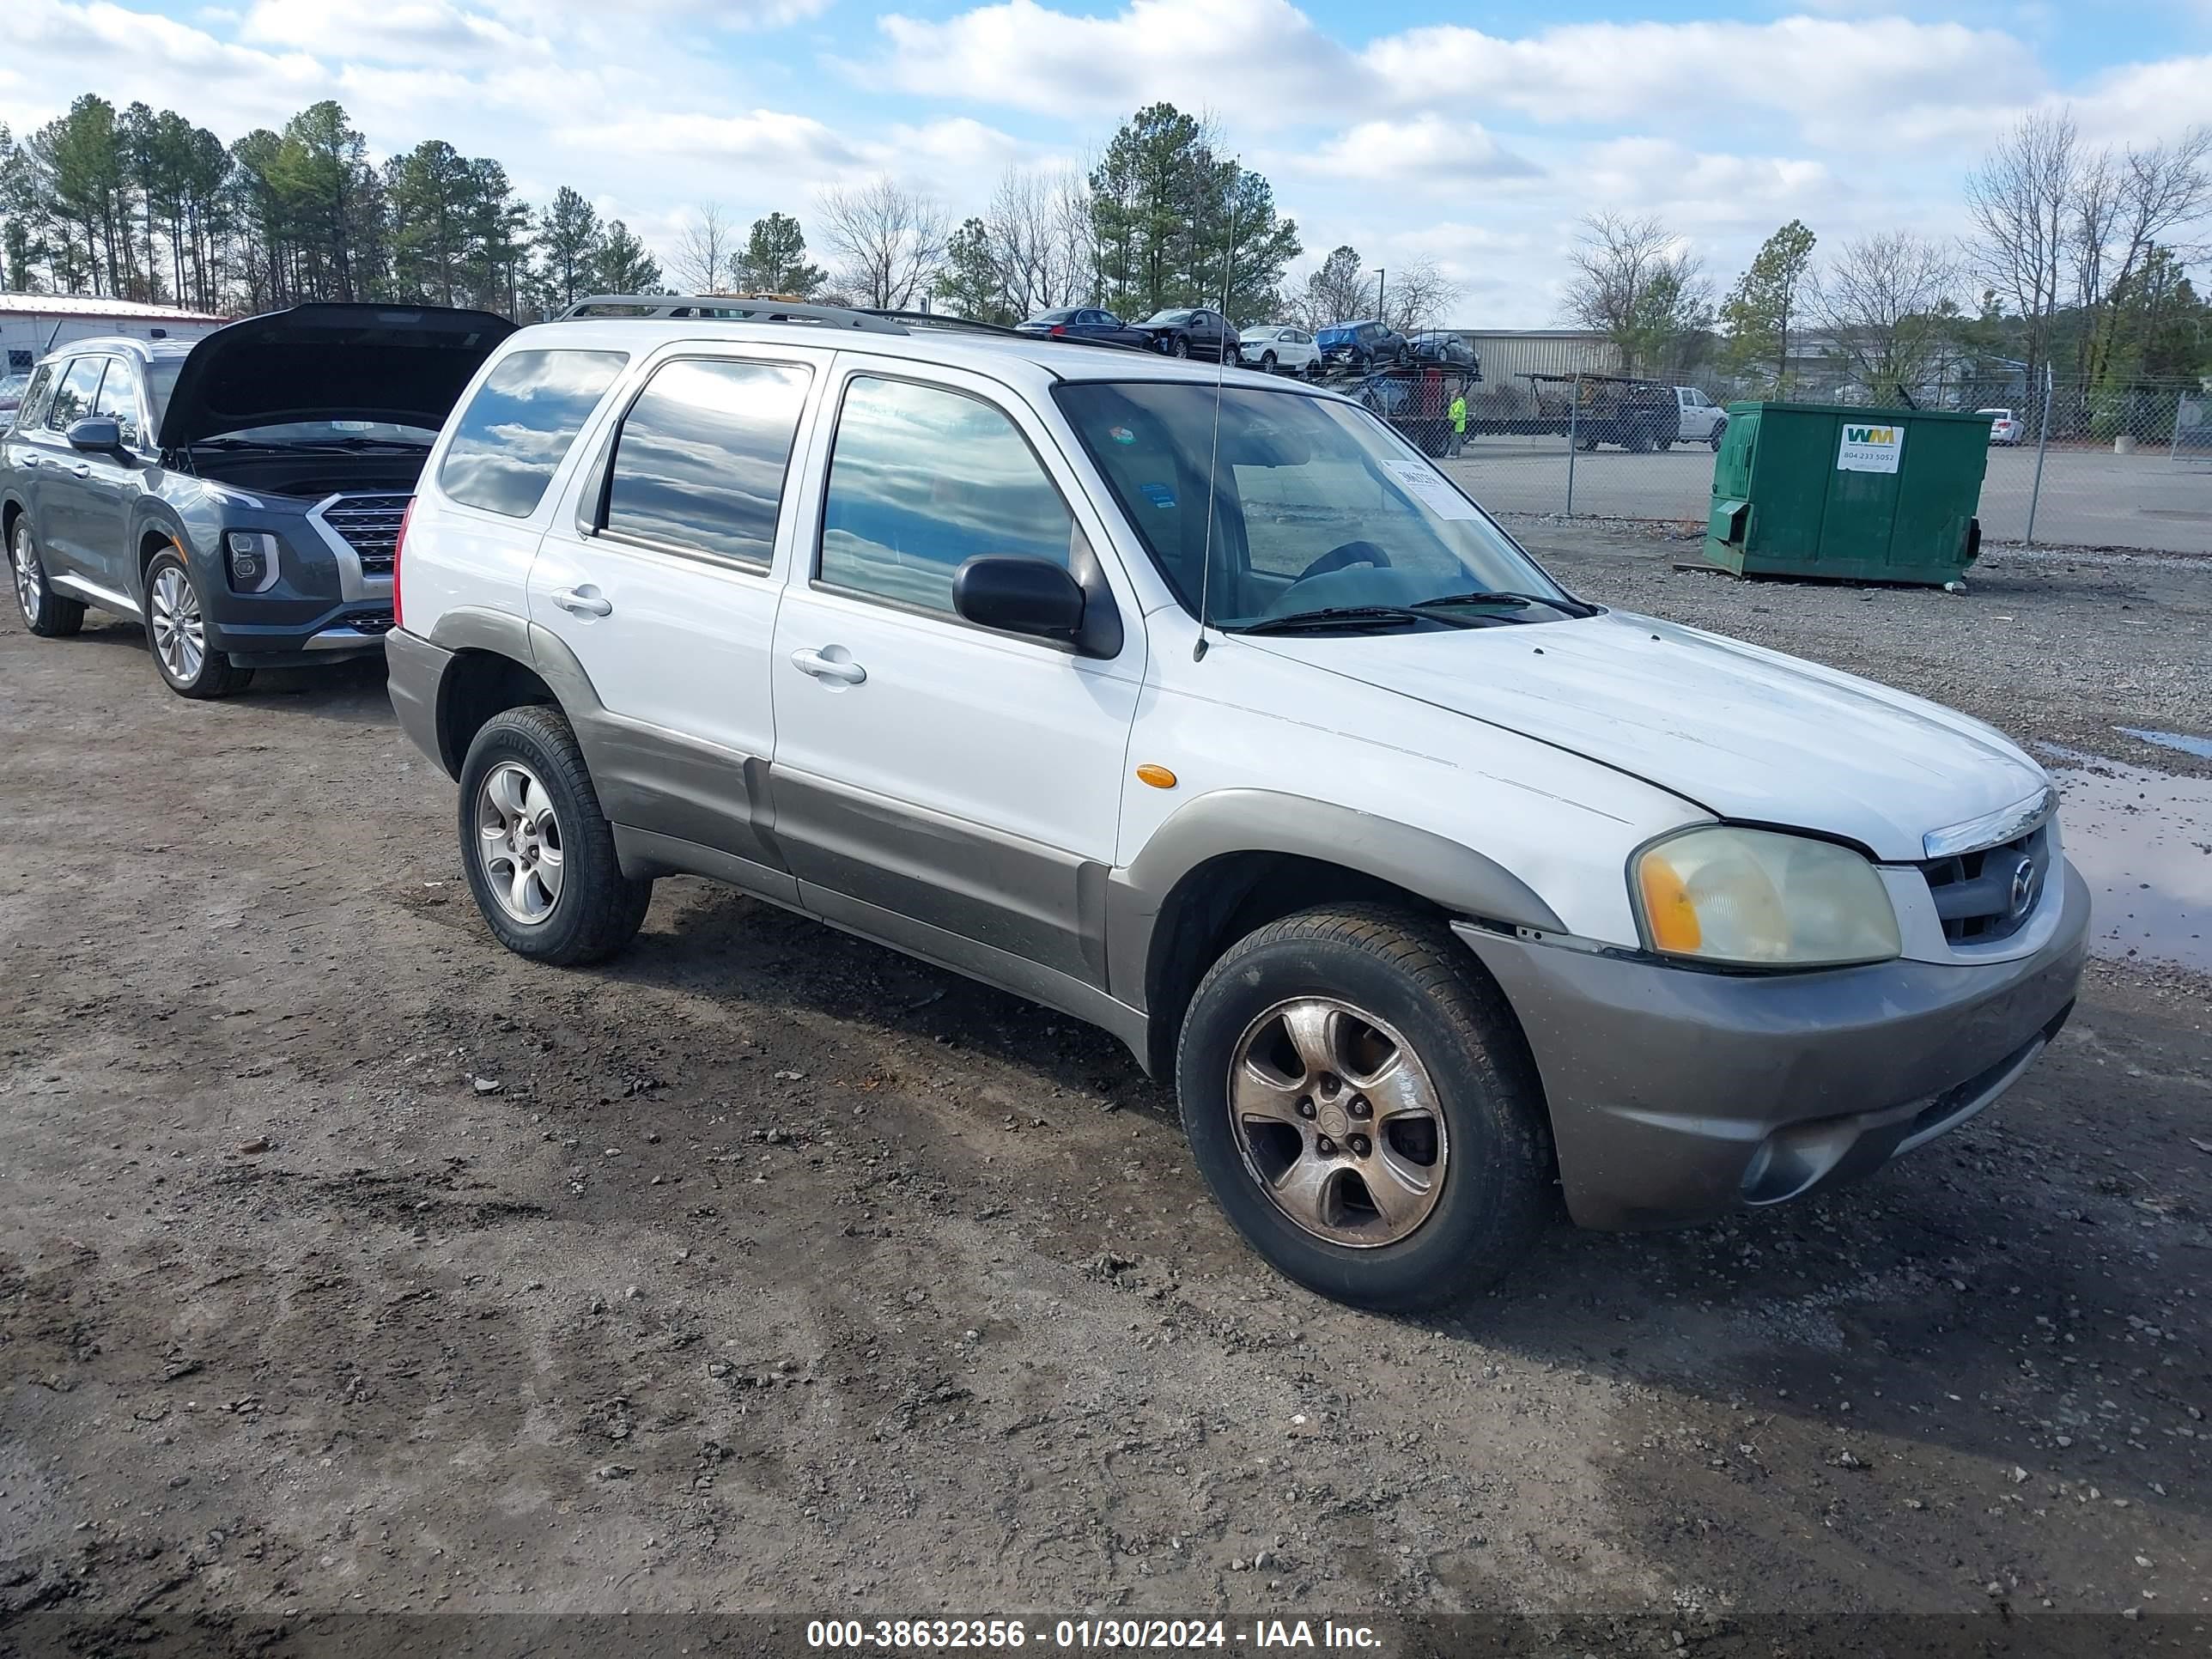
{"type": "Point", "coordinates": [404, 364]}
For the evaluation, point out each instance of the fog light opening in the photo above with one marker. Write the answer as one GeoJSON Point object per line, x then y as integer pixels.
{"type": "Point", "coordinates": [1792, 1160]}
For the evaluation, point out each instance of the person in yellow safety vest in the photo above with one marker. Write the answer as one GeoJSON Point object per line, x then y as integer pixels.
{"type": "Point", "coordinates": [1458, 413]}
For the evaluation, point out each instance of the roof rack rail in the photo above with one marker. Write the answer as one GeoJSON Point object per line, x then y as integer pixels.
{"type": "Point", "coordinates": [729, 309]}
{"type": "Point", "coordinates": [945, 319]}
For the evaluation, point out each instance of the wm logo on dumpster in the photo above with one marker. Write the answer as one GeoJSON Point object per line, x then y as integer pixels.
{"type": "Point", "coordinates": [1869, 434]}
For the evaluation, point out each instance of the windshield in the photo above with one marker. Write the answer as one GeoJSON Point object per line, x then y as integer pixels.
{"type": "Point", "coordinates": [1169, 317]}
{"type": "Point", "coordinates": [1317, 505]}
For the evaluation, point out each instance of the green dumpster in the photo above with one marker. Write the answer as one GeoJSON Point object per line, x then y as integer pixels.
{"type": "Point", "coordinates": [1860, 494]}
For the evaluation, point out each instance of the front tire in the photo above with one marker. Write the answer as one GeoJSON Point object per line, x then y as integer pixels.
{"type": "Point", "coordinates": [176, 634]}
{"type": "Point", "coordinates": [1179, 347]}
{"type": "Point", "coordinates": [44, 612]}
{"type": "Point", "coordinates": [1267, 363]}
{"type": "Point", "coordinates": [539, 854]}
{"type": "Point", "coordinates": [1361, 1105]}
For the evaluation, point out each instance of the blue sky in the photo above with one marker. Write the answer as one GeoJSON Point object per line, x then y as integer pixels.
{"type": "Point", "coordinates": [1474, 135]}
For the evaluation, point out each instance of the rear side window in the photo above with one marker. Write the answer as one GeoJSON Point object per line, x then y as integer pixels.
{"type": "Point", "coordinates": [700, 458]}
{"type": "Point", "coordinates": [73, 396]}
{"type": "Point", "coordinates": [923, 479]}
{"type": "Point", "coordinates": [33, 407]}
{"type": "Point", "coordinates": [511, 437]}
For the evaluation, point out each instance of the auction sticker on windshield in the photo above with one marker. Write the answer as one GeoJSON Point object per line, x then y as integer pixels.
{"type": "Point", "coordinates": [1432, 491]}
{"type": "Point", "coordinates": [1869, 448]}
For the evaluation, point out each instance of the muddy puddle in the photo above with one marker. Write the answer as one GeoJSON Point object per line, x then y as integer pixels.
{"type": "Point", "coordinates": [2142, 840]}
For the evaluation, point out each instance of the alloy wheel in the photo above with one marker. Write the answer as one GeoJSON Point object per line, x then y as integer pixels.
{"type": "Point", "coordinates": [180, 633]}
{"type": "Point", "coordinates": [29, 584]}
{"type": "Point", "coordinates": [519, 842]}
{"type": "Point", "coordinates": [1339, 1121]}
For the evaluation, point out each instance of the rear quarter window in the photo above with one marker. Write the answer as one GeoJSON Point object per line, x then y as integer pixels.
{"type": "Point", "coordinates": [512, 436]}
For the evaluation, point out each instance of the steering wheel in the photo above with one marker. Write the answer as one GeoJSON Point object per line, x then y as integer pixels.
{"type": "Point", "coordinates": [1339, 558]}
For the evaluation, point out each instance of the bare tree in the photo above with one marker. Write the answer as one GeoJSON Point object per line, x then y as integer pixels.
{"type": "Point", "coordinates": [705, 248]}
{"type": "Point", "coordinates": [1637, 285]}
{"type": "Point", "coordinates": [1416, 295]}
{"type": "Point", "coordinates": [889, 241]}
{"type": "Point", "coordinates": [2024, 205]}
{"type": "Point", "coordinates": [1336, 291]}
{"type": "Point", "coordinates": [1038, 226]}
{"type": "Point", "coordinates": [2125, 206]}
{"type": "Point", "coordinates": [1886, 304]}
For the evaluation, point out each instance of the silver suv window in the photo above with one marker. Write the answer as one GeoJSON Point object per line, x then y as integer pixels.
{"type": "Point", "coordinates": [923, 479]}
{"type": "Point", "coordinates": [700, 458]}
{"type": "Point", "coordinates": [513, 434]}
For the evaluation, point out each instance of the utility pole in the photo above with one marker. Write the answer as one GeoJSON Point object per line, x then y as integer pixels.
{"type": "Point", "coordinates": [1381, 277]}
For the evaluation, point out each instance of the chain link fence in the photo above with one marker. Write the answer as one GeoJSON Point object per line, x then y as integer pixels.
{"type": "Point", "coordinates": [2071, 463]}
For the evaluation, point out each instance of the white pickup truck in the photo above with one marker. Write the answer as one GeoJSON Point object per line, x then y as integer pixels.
{"type": "Point", "coordinates": [1702, 420]}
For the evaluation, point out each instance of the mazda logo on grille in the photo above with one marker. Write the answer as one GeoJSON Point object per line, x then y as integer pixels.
{"type": "Point", "coordinates": [2023, 888]}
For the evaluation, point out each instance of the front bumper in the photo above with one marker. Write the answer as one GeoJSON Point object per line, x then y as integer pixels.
{"type": "Point", "coordinates": [353, 630]}
{"type": "Point", "coordinates": [1676, 1095]}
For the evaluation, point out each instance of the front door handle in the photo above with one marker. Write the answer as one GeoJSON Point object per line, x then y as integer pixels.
{"type": "Point", "coordinates": [82, 469]}
{"type": "Point", "coordinates": [828, 668]}
{"type": "Point", "coordinates": [586, 601]}
{"type": "Point", "coordinates": [30, 461]}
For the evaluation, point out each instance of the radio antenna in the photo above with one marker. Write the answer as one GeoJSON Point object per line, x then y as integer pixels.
{"type": "Point", "coordinates": [1220, 374]}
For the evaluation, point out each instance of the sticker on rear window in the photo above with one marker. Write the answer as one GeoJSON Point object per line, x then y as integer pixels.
{"type": "Point", "coordinates": [1158, 494]}
{"type": "Point", "coordinates": [1121, 434]}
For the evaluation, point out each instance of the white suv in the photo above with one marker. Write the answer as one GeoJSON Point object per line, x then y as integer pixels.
{"type": "Point", "coordinates": [1202, 706]}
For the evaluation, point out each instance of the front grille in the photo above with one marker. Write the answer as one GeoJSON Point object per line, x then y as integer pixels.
{"type": "Point", "coordinates": [1986, 895]}
{"type": "Point", "coordinates": [370, 526]}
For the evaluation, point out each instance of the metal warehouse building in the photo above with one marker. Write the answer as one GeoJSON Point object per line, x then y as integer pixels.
{"type": "Point", "coordinates": [32, 324]}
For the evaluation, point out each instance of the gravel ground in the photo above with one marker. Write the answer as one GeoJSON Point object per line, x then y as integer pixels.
{"type": "Point", "coordinates": [348, 1262]}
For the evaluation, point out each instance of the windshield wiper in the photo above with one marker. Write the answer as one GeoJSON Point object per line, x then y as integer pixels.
{"type": "Point", "coordinates": [1512, 601]}
{"type": "Point", "coordinates": [1351, 615]}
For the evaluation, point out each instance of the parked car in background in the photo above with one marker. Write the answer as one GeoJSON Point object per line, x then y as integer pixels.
{"type": "Point", "coordinates": [1278, 346]}
{"type": "Point", "coordinates": [240, 495]}
{"type": "Point", "coordinates": [897, 626]}
{"type": "Point", "coordinates": [2003, 428]}
{"type": "Point", "coordinates": [1699, 420]}
{"type": "Point", "coordinates": [1192, 333]}
{"type": "Point", "coordinates": [1355, 348]}
{"type": "Point", "coordinates": [12, 387]}
{"type": "Point", "coordinates": [1085, 323]}
{"type": "Point", "coordinates": [1436, 345]}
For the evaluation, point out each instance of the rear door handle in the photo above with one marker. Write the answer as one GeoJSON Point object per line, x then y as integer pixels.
{"type": "Point", "coordinates": [82, 469]}
{"type": "Point", "coordinates": [826, 668]}
{"type": "Point", "coordinates": [30, 461]}
{"type": "Point", "coordinates": [585, 601]}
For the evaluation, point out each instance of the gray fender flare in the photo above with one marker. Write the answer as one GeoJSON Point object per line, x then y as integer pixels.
{"type": "Point", "coordinates": [1449, 874]}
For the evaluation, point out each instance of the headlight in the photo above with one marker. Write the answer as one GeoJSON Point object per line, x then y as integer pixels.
{"type": "Point", "coordinates": [1758, 899]}
{"type": "Point", "coordinates": [252, 560]}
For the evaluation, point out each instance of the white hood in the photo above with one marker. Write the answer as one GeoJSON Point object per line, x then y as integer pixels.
{"type": "Point", "coordinates": [1746, 733]}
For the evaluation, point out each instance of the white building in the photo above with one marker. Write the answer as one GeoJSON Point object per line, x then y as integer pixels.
{"type": "Point", "coordinates": [32, 324]}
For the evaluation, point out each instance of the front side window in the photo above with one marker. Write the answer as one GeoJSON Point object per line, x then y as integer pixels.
{"type": "Point", "coordinates": [118, 400]}
{"type": "Point", "coordinates": [1303, 503]}
{"type": "Point", "coordinates": [700, 458]}
{"type": "Point", "coordinates": [923, 479]}
{"type": "Point", "coordinates": [511, 437]}
{"type": "Point", "coordinates": [73, 396]}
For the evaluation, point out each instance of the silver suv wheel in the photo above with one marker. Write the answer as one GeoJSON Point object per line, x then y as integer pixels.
{"type": "Point", "coordinates": [1338, 1122]}
{"type": "Point", "coordinates": [29, 583]}
{"type": "Point", "coordinates": [180, 634]}
{"type": "Point", "coordinates": [519, 840]}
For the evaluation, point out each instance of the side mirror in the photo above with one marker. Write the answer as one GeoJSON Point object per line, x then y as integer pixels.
{"type": "Point", "coordinates": [1019, 595]}
{"type": "Point", "coordinates": [95, 433]}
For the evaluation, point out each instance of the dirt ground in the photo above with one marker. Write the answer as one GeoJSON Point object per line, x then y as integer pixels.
{"type": "Point", "coordinates": [349, 1263]}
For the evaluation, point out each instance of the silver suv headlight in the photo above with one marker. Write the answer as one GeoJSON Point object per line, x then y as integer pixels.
{"type": "Point", "coordinates": [1756, 898]}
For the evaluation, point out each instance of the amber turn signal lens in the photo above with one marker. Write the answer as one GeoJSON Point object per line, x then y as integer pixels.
{"type": "Point", "coordinates": [1667, 907]}
{"type": "Point", "coordinates": [1158, 777]}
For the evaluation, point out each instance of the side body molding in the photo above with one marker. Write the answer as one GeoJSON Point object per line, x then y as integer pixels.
{"type": "Point", "coordinates": [1228, 821]}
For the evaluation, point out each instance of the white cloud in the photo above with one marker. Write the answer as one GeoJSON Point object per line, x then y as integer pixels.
{"type": "Point", "coordinates": [1429, 152]}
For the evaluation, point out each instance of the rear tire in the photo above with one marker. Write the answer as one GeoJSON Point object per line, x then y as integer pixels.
{"type": "Point", "coordinates": [176, 634]}
{"type": "Point", "coordinates": [545, 876]}
{"type": "Point", "coordinates": [1411, 1200]}
{"type": "Point", "coordinates": [44, 612]}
